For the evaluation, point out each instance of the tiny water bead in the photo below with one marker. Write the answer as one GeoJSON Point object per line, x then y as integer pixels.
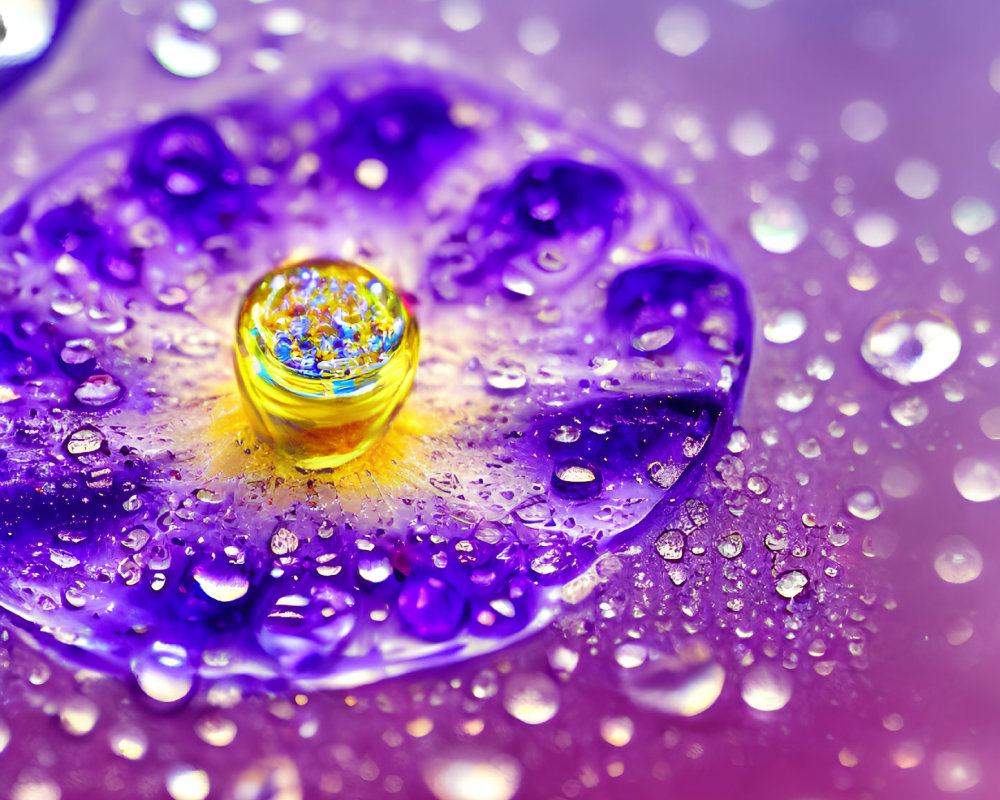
{"type": "Point", "coordinates": [326, 353]}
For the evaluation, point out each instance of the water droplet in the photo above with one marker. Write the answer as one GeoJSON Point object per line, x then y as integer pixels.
{"type": "Point", "coordinates": [958, 560]}
{"type": "Point", "coordinates": [956, 772]}
{"type": "Point", "coordinates": [766, 688]}
{"type": "Point", "coordinates": [876, 230]}
{"type": "Point", "coordinates": [507, 376]}
{"type": "Point", "coordinates": [461, 15]}
{"type": "Point", "coordinates": [670, 545]}
{"type": "Point", "coordinates": [98, 390]}
{"type": "Point", "coordinates": [374, 566]}
{"type": "Point", "coordinates": [283, 542]}
{"type": "Point", "coordinates": [989, 423]}
{"type": "Point", "coordinates": [183, 53]}
{"type": "Point", "coordinates": [221, 583]}
{"type": "Point", "coordinates": [538, 35]}
{"type": "Point", "coordinates": [532, 698]}
{"type": "Point", "coordinates": [796, 397]}
{"type": "Point", "coordinates": [129, 743]}
{"type": "Point", "coordinates": [84, 441]}
{"type": "Point", "coordinates": [908, 410]}
{"type": "Point", "coordinates": [730, 546]}
{"type": "Point", "coordinates": [497, 778]}
{"type": "Point", "coordinates": [371, 173]}
{"type": "Point", "coordinates": [684, 687]}
{"type": "Point", "coordinates": [187, 783]}
{"type": "Point", "coordinates": [565, 434]}
{"type": "Point", "coordinates": [779, 225]}
{"type": "Point", "coordinates": [784, 326]}
{"type": "Point", "coordinates": [577, 479]}
{"type": "Point", "coordinates": [284, 21]}
{"type": "Point", "coordinates": [977, 480]}
{"type": "Point", "coordinates": [972, 215]}
{"type": "Point", "coordinates": [751, 134]}
{"type": "Point", "coordinates": [78, 715]}
{"type": "Point", "coordinates": [917, 178]}
{"type": "Point", "coordinates": [198, 15]}
{"type": "Point", "coordinates": [863, 120]}
{"type": "Point", "coordinates": [911, 346]}
{"type": "Point", "coordinates": [864, 504]}
{"type": "Point", "coordinates": [617, 731]}
{"type": "Point", "coordinates": [682, 30]}
{"type": "Point", "coordinates": [790, 584]}
{"type": "Point", "coordinates": [29, 27]}
{"type": "Point", "coordinates": [163, 672]}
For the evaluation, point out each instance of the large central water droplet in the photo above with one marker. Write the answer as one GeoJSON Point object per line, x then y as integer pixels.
{"type": "Point", "coordinates": [325, 355]}
{"type": "Point", "coordinates": [911, 346]}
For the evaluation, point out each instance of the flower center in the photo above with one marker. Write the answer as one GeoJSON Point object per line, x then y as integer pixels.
{"type": "Point", "coordinates": [326, 353]}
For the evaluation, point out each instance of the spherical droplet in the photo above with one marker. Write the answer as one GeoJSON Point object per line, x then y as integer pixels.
{"type": "Point", "coordinates": [958, 560]}
{"type": "Point", "coordinates": [863, 120]}
{"type": "Point", "coordinates": [326, 353]}
{"type": "Point", "coordinates": [538, 35]}
{"type": "Point", "coordinates": [779, 225]}
{"type": "Point", "coordinates": [182, 53]}
{"type": "Point", "coordinates": [751, 134]}
{"type": "Point", "coordinates": [577, 479]}
{"type": "Point", "coordinates": [187, 783]}
{"type": "Point", "coordinates": [876, 230]}
{"type": "Point", "coordinates": [972, 215]}
{"type": "Point", "coordinates": [784, 326]}
{"type": "Point", "coordinates": [790, 584]}
{"type": "Point", "coordinates": [977, 480]}
{"type": "Point", "coordinates": [917, 178]}
{"type": "Point", "coordinates": [532, 698]}
{"type": "Point", "coordinates": [864, 504]}
{"type": "Point", "coordinates": [461, 15]}
{"type": "Point", "coordinates": [496, 778]}
{"type": "Point", "coordinates": [682, 30]}
{"type": "Point", "coordinates": [909, 410]}
{"type": "Point", "coordinates": [956, 772]}
{"type": "Point", "coordinates": [911, 346]}
{"type": "Point", "coordinates": [766, 688]}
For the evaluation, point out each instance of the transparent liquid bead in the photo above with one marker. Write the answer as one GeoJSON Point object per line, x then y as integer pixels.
{"type": "Point", "coordinates": [911, 346]}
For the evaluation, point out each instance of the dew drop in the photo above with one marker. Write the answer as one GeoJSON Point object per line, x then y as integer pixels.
{"type": "Point", "coordinates": [163, 672]}
{"type": "Point", "coordinates": [98, 390]}
{"type": "Point", "coordinates": [784, 326]}
{"type": "Point", "coordinates": [779, 225]}
{"type": "Point", "coordinates": [972, 215]}
{"type": "Point", "coordinates": [129, 743]}
{"type": "Point", "coordinates": [751, 134]}
{"type": "Point", "coordinates": [766, 688]}
{"type": "Point", "coordinates": [681, 687]}
{"type": "Point", "coordinates": [977, 480]}
{"type": "Point", "coordinates": [917, 178]}
{"type": "Point", "coordinates": [507, 376]}
{"type": "Point", "coordinates": [911, 346]}
{"type": "Point", "coordinates": [958, 560]}
{"type": "Point", "coordinates": [908, 410]}
{"type": "Point", "coordinates": [496, 778]}
{"type": "Point", "coordinates": [461, 15]}
{"type": "Point", "coordinates": [284, 21]}
{"type": "Point", "coordinates": [577, 479]}
{"type": "Point", "coordinates": [224, 585]}
{"type": "Point", "coordinates": [182, 53]}
{"type": "Point", "coordinates": [730, 546]}
{"type": "Point", "coordinates": [371, 173]}
{"type": "Point", "coordinates": [682, 30]}
{"type": "Point", "coordinates": [670, 545]}
{"type": "Point", "coordinates": [538, 35]}
{"type": "Point", "coordinates": [374, 566]}
{"type": "Point", "coordinates": [532, 698]}
{"type": "Point", "coordinates": [863, 120]}
{"type": "Point", "coordinates": [876, 230]}
{"type": "Point", "coordinates": [790, 584]}
{"type": "Point", "coordinates": [187, 783]}
{"type": "Point", "coordinates": [956, 772]}
{"type": "Point", "coordinates": [864, 504]}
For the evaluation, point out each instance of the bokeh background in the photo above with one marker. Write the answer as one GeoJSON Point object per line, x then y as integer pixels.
{"type": "Point", "coordinates": [848, 153]}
